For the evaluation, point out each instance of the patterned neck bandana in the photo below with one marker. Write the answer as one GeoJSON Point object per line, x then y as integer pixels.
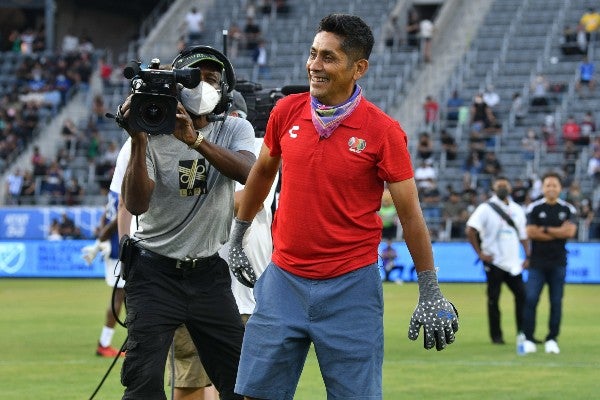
{"type": "Point", "coordinates": [327, 118]}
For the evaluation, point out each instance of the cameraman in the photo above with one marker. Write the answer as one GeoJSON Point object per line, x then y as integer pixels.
{"type": "Point", "coordinates": [181, 186]}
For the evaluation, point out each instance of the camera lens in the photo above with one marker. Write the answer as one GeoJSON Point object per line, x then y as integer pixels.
{"type": "Point", "coordinates": [153, 114]}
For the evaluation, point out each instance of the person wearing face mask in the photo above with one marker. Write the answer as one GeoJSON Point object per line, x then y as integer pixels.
{"type": "Point", "coordinates": [496, 230]}
{"type": "Point", "coordinates": [181, 188]}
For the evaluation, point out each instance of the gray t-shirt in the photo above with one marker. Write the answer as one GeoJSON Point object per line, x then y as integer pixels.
{"type": "Point", "coordinates": [192, 204]}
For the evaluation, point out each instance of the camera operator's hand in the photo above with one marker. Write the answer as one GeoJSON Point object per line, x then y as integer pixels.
{"type": "Point", "coordinates": [184, 126]}
{"type": "Point", "coordinates": [122, 117]}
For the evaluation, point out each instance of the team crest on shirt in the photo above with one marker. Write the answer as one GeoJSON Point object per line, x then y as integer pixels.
{"type": "Point", "coordinates": [356, 145]}
{"type": "Point", "coordinates": [192, 177]}
{"type": "Point", "coordinates": [562, 215]}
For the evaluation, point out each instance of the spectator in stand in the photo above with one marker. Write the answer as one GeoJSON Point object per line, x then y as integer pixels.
{"type": "Point", "coordinates": [252, 34]}
{"type": "Point", "coordinates": [70, 43]}
{"type": "Point", "coordinates": [455, 213]}
{"type": "Point", "coordinates": [588, 128]}
{"type": "Point", "coordinates": [106, 70]}
{"type": "Point", "coordinates": [491, 97]}
{"type": "Point", "coordinates": [571, 130]}
{"type": "Point", "coordinates": [570, 158]}
{"type": "Point", "coordinates": [391, 35]}
{"type": "Point", "coordinates": [73, 192]}
{"type": "Point", "coordinates": [424, 173]}
{"type": "Point", "coordinates": [593, 169]}
{"type": "Point", "coordinates": [448, 143]}
{"type": "Point", "coordinates": [54, 231]}
{"type": "Point", "coordinates": [425, 146]}
{"type": "Point", "coordinates": [431, 109]}
{"type": "Point", "coordinates": [472, 167]}
{"type": "Point", "coordinates": [194, 26]}
{"type": "Point", "coordinates": [517, 107]}
{"type": "Point", "coordinates": [70, 135]}
{"type": "Point", "coordinates": [14, 186]}
{"type": "Point", "coordinates": [431, 200]}
{"type": "Point", "coordinates": [574, 194]}
{"type": "Point", "coordinates": [28, 187]}
{"type": "Point", "coordinates": [549, 133]}
{"type": "Point", "coordinates": [53, 184]}
{"type": "Point", "coordinates": [412, 27]}
{"type": "Point", "coordinates": [67, 227]}
{"type": "Point", "coordinates": [38, 162]}
{"type": "Point", "coordinates": [586, 75]}
{"type": "Point", "coordinates": [453, 106]}
{"type": "Point", "coordinates": [388, 259]}
{"type": "Point", "coordinates": [490, 171]}
{"type": "Point", "coordinates": [234, 40]}
{"type": "Point", "coordinates": [539, 91]}
{"type": "Point", "coordinates": [574, 40]}
{"type": "Point", "coordinates": [529, 145]}
{"type": "Point", "coordinates": [477, 142]}
{"type": "Point", "coordinates": [520, 191]}
{"type": "Point", "coordinates": [98, 110]}
{"type": "Point", "coordinates": [581, 39]}
{"type": "Point", "coordinates": [261, 62]}
{"type": "Point", "coordinates": [388, 216]}
{"type": "Point", "coordinates": [426, 29]}
{"type": "Point", "coordinates": [587, 227]}
{"type": "Point", "coordinates": [482, 116]}
{"type": "Point", "coordinates": [590, 20]}
{"type": "Point", "coordinates": [93, 145]}
{"type": "Point", "coordinates": [596, 143]}
{"type": "Point", "coordinates": [87, 45]}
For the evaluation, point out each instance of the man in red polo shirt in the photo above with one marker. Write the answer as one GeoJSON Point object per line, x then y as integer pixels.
{"type": "Point", "coordinates": [336, 151]}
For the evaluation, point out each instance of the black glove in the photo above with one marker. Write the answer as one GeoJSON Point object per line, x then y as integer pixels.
{"type": "Point", "coordinates": [239, 264]}
{"type": "Point", "coordinates": [437, 315]}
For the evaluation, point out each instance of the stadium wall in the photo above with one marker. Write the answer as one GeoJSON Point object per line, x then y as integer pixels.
{"type": "Point", "coordinates": [26, 253]}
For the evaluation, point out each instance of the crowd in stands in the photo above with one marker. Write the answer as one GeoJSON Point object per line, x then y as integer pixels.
{"type": "Point", "coordinates": [42, 83]}
{"type": "Point", "coordinates": [484, 117]}
{"type": "Point", "coordinates": [45, 81]}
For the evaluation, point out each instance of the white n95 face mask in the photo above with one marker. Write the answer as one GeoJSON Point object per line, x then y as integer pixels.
{"type": "Point", "coordinates": [200, 100]}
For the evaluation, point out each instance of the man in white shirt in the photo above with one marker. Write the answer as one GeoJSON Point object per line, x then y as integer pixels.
{"type": "Point", "coordinates": [495, 238]}
{"type": "Point", "coordinates": [194, 22]}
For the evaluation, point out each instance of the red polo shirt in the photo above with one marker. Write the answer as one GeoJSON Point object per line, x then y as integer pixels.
{"type": "Point", "coordinates": [326, 223]}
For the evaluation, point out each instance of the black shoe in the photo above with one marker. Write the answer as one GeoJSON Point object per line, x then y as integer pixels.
{"type": "Point", "coordinates": [498, 341]}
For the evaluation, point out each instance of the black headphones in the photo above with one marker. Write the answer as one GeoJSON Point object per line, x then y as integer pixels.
{"type": "Point", "coordinates": [194, 54]}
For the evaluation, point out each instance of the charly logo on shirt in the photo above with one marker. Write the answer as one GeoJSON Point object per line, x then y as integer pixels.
{"type": "Point", "coordinates": [192, 177]}
{"type": "Point", "coordinates": [356, 145]}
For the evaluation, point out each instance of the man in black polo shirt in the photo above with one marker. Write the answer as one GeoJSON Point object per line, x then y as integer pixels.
{"type": "Point", "coordinates": [549, 225]}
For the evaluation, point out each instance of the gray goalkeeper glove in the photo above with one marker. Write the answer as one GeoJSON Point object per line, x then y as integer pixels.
{"type": "Point", "coordinates": [437, 316]}
{"type": "Point", "coordinates": [239, 264]}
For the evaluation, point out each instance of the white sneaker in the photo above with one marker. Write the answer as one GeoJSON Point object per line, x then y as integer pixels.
{"type": "Point", "coordinates": [552, 347]}
{"type": "Point", "coordinates": [529, 347]}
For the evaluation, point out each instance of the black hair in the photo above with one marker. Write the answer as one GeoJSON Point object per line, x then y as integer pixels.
{"type": "Point", "coordinates": [552, 174]}
{"type": "Point", "coordinates": [357, 37]}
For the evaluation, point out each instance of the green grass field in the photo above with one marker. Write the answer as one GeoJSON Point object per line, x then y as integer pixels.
{"type": "Point", "coordinates": [49, 330]}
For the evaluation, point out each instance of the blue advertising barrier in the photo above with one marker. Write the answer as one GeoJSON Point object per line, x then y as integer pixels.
{"type": "Point", "coordinates": [47, 259]}
{"type": "Point", "coordinates": [456, 261]}
{"type": "Point", "coordinates": [33, 223]}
